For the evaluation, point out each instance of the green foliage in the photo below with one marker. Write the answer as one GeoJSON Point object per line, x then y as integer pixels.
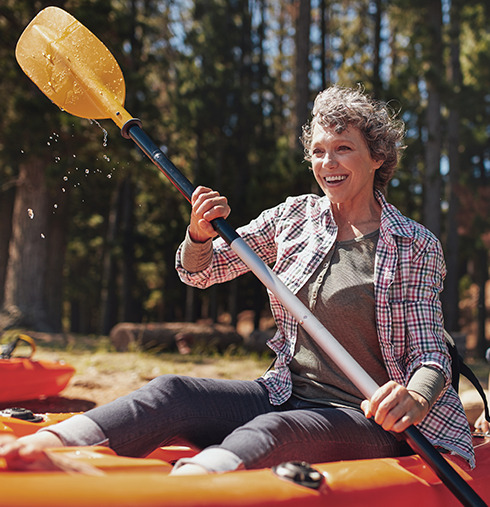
{"type": "Point", "coordinates": [212, 82]}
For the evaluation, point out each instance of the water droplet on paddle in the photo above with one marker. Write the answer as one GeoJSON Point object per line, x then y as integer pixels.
{"type": "Point", "coordinates": [30, 213]}
{"type": "Point", "coordinates": [106, 134]}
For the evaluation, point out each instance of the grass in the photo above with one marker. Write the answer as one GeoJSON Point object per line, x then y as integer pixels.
{"type": "Point", "coordinates": [94, 354]}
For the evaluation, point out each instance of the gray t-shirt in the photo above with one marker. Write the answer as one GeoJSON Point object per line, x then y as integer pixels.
{"type": "Point", "coordinates": [341, 295]}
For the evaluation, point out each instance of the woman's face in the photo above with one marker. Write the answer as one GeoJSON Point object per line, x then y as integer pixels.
{"type": "Point", "coordinates": [343, 166]}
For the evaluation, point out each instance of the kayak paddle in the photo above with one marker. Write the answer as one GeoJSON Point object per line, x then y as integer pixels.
{"type": "Point", "coordinates": [72, 67]}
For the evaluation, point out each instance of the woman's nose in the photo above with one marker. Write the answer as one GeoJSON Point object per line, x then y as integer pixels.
{"type": "Point", "coordinates": [329, 160]}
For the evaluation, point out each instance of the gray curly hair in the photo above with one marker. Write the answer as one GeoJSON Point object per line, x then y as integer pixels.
{"type": "Point", "coordinates": [339, 108]}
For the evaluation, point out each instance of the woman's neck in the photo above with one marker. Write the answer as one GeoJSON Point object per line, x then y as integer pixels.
{"type": "Point", "coordinates": [354, 225]}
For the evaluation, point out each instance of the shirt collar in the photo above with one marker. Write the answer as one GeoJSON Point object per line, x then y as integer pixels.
{"type": "Point", "coordinates": [392, 220]}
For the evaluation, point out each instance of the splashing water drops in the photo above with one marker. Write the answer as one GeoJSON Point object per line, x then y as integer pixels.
{"type": "Point", "coordinates": [54, 137]}
{"type": "Point", "coordinates": [106, 135]}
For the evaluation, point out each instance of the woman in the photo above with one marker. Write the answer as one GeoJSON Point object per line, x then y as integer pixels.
{"type": "Point", "coordinates": [372, 276]}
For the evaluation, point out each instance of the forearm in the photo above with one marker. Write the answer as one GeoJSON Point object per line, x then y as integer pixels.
{"type": "Point", "coordinates": [196, 256]}
{"type": "Point", "coordinates": [428, 382]}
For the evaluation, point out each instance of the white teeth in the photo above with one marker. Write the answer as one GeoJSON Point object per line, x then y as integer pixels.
{"type": "Point", "coordinates": [331, 179]}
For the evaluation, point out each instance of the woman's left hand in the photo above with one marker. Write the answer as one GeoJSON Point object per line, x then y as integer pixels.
{"type": "Point", "coordinates": [395, 408]}
{"type": "Point", "coordinates": [481, 424]}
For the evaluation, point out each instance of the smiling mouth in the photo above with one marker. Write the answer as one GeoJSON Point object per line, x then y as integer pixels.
{"type": "Point", "coordinates": [335, 179]}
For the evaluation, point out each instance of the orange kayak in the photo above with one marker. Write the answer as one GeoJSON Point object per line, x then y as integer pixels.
{"type": "Point", "coordinates": [124, 482]}
{"type": "Point", "coordinates": [23, 378]}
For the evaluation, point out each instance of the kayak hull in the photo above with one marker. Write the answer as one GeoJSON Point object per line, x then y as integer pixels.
{"type": "Point", "coordinates": [26, 379]}
{"type": "Point", "coordinates": [403, 481]}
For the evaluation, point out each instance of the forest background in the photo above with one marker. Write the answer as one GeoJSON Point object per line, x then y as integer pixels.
{"type": "Point", "coordinates": [89, 229]}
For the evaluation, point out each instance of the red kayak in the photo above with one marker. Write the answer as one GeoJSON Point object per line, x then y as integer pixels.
{"type": "Point", "coordinates": [23, 378]}
{"type": "Point", "coordinates": [96, 476]}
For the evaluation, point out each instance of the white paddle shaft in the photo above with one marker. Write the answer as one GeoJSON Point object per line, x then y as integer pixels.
{"type": "Point", "coordinates": [322, 337]}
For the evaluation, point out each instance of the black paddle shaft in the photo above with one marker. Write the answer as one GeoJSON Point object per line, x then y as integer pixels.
{"type": "Point", "coordinates": [454, 482]}
{"type": "Point", "coordinates": [132, 130]}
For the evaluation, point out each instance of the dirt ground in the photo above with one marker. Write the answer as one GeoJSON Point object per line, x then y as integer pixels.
{"type": "Point", "coordinates": [102, 375]}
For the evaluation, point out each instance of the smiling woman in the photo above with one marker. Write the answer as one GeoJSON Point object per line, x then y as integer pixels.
{"type": "Point", "coordinates": [340, 108]}
{"type": "Point", "coordinates": [369, 274]}
{"type": "Point", "coordinates": [345, 171]}
{"type": "Point", "coordinates": [354, 144]}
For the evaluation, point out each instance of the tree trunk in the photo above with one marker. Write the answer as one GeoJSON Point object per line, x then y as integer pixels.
{"type": "Point", "coordinates": [302, 67]}
{"type": "Point", "coordinates": [432, 180]}
{"type": "Point", "coordinates": [6, 210]}
{"type": "Point", "coordinates": [451, 290]}
{"type": "Point", "coordinates": [130, 311]}
{"type": "Point", "coordinates": [25, 299]}
{"type": "Point", "coordinates": [109, 303]}
{"type": "Point", "coordinates": [58, 221]}
{"type": "Point", "coordinates": [482, 279]}
{"type": "Point", "coordinates": [325, 44]}
{"type": "Point", "coordinates": [377, 85]}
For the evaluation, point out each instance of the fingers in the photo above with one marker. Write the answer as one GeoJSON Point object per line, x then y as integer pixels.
{"type": "Point", "coordinates": [28, 453]}
{"type": "Point", "coordinates": [19, 455]}
{"type": "Point", "coordinates": [395, 408]}
{"type": "Point", "coordinates": [481, 424]}
{"type": "Point", "coordinates": [13, 448]}
{"type": "Point", "coordinates": [7, 443]}
{"type": "Point", "coordinates": [207, 204]}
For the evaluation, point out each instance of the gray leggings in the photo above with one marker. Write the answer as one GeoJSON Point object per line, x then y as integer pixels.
{"type": "Point", "coordinates": [234, 418]}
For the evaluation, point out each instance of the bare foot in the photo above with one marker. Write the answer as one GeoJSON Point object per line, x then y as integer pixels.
{"type": "Point", "coordinates": [28, 453]}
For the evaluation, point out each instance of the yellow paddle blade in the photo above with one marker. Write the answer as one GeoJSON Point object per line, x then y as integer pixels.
{"type": "Point", "coordinates": [72, 67]}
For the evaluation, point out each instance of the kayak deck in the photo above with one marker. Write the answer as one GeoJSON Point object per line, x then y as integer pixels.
{"type": "Point", "coordinates": [125, 481]}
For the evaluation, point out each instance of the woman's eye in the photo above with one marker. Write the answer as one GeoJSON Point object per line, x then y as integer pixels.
{"type": "Point", "coordinates": [343, 147]}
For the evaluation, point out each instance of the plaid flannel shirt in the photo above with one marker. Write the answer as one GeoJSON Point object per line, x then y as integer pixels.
{"type": "Point", "coordinates": [294, 237]}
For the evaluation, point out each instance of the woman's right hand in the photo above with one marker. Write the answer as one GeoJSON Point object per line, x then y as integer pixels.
{"type": "Point", "coordinates": [207, 204]}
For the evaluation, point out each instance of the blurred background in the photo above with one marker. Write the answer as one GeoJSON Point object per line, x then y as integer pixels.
{"type": "Point", "coordinates": [89, 228]}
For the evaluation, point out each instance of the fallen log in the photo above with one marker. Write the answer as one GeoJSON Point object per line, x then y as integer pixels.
{"type": "Point", "coordinates": [182, 336]}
